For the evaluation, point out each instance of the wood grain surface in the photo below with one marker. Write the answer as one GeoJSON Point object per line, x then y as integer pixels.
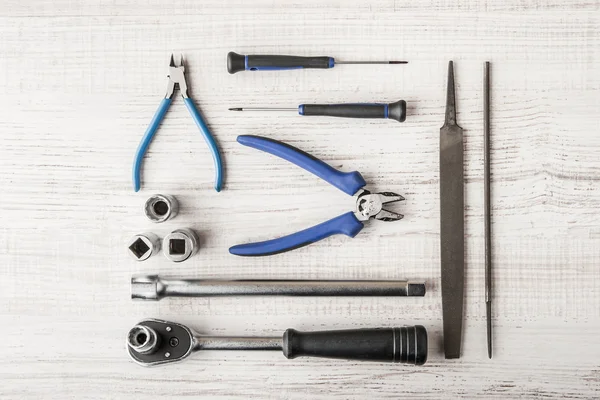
{"type": "Point", "coordinates": [79, 83]}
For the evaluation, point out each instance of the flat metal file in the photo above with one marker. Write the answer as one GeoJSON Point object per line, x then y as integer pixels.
{"type": "Point", "coordinates": [452, 223]}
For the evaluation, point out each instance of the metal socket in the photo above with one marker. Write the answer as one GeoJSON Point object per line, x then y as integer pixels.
{"type": "Point", "coordinates": [180, 244]}
{"type": "Point", "coordinates": [144, 245]}
{"type": "Point", "coordinates": [161, 207]}
{"type": "Point", "coordinates": [143, 339]}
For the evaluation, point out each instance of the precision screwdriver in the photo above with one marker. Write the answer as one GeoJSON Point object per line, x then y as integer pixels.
{"type": "Point", "coordinates": [396, 111]}
{"type": "Point", "coordinates": [238, 62]}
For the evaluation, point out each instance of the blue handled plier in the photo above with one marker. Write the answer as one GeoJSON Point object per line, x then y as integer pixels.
{"type": "Point", "coordinates": [176, 77]}
{"type": "Point", "coordinates": [368, 205]}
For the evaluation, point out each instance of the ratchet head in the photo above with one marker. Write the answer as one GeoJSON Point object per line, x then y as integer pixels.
{"type": "Point", "coordinates": [154, 342]}
{"type": "Point", "coordinates": [370, 205]}
{"type": "Point", "coordinates": [176, 77]}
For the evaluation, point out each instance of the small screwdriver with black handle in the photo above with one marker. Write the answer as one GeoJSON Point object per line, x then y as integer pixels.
{"type": "Point", "coordinates": [239, 62]}
{"type": "Point", "coordinates": [395, 111]}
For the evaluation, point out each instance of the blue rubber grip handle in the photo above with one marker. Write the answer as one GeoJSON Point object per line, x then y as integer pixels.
{"type": "Point", "coordinates": [146, 139]}
{"type": "Point", "coordinates": [346, 224]}
{"type": "Point", "coordinates": [347, 182]}
{"type": "Point", "coordinates": [210, 141]}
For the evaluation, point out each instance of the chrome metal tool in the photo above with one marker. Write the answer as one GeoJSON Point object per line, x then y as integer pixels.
{"type": "Point", "coordinates": [142, 246]}
{"type": "Point", "coordinates": [155, 287]}
{"type": "Point", "coordinates": [155, 342]}
{"type": "Point", "coordinates": [452, 244]}
{"type": "Point", "coordinates": [487, 204]}
{"type": "Point", "coordinates": [180, 244]}
{"type": "Point", "coordinates": [161, 207]}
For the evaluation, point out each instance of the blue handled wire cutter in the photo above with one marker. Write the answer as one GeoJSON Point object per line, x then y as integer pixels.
{"type": "Point", "coordinates": [176, 77]}
{"type": "Point", "coordinates": [368, 205]}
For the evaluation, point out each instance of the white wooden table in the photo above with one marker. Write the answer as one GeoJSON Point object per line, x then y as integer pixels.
{"type": "Point", "coordinates": [78, 86]}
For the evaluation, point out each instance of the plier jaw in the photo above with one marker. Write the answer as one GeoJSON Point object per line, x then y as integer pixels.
{"type": "Point", "coordinates": [370, 205]}
{"type": "Point", "coordinates": [176, 77]}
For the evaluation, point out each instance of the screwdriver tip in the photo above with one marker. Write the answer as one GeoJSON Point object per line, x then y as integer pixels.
{"type": "Point", "coordinates": [398, 62]}
{"type": "Point", "coordinates": [236, 109]}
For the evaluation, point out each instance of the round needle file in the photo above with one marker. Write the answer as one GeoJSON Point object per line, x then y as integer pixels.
{"type": "Point", "coordinates": [395, 111]}
{"type": "Point", "coordinates": [487, 204]}
{"type": "Point", "coordinates": [239, 62]}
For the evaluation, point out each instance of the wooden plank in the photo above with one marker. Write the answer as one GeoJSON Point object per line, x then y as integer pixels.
{"type": "Point", "coordinates": [80, 82]}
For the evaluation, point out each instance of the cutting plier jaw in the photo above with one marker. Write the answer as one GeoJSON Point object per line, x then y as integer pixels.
{"type": "Point", "coordinates": [370, 205]}
{"type": "Point", "coordinates": [176, 77]}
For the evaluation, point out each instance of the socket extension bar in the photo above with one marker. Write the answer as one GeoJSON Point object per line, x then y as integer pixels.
{"type": "Point", "coordinates": [155, 287]}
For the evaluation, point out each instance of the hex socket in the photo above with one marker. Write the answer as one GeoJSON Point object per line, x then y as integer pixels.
{"type": "Point", "coordinates": [161, 208]}
{"type": "Point", "coordinates": [143, 339]}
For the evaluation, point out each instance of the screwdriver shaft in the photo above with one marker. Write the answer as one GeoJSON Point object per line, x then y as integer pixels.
{"type": "Point", "coordinates": [263, 109]}
{"type": "Point", "coordinates": [371, 62]}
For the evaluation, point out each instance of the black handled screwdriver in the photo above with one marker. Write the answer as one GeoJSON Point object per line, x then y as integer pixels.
{"type": "Point", "coordinates": [396, 111]}
{"type": "Point", "coordinates": [239, 62]}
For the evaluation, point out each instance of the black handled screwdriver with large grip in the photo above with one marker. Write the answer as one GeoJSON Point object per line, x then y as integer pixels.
{"type": "Point", "coordinates": [154, 342]}
{"type": "Point", "coordinates": [395, 111]}
{"type": "Point", "coordinates": [239, 62]}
